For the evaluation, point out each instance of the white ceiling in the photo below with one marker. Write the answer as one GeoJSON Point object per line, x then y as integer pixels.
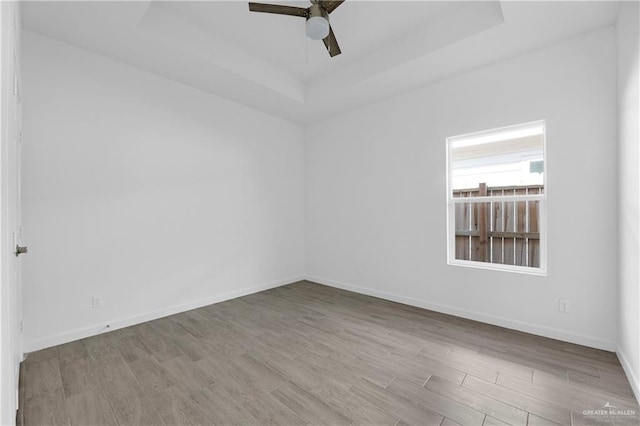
{"type": "Point", "coordinates": [266, 62]}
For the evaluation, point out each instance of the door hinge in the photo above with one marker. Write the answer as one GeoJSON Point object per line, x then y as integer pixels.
{"type": "Point", "coordinates": [20, 137]}
{"type": "Point", "coordinates": [20, 327]}
{"type": "Point", "coordinates": [15, 84]}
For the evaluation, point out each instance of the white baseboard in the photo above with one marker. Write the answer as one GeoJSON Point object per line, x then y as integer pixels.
{"type": "Point", "coordinates": [526, 327]}
{"type": "Point", "coordinates": [631, 375]}
{"type": "Point", "coordinates": [81, 333]}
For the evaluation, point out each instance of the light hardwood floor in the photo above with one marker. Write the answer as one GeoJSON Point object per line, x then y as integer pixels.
{"type": "Point", "coordinates": [309, 354]}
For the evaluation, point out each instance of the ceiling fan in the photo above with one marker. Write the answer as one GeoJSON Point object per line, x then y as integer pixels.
{"type": "Point", "coordinates": [317, 16]}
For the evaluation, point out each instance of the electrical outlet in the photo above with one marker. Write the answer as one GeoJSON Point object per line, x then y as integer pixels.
{"type": "Point", "coordinates": [96, 302]}
{"type": "Point", "coordinates": [563, 306]}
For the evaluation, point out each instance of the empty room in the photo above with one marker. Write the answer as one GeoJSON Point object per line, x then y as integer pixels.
{"type": "Point", "coordinates": [320, 212]}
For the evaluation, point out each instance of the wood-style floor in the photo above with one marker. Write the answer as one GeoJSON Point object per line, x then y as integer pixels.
{"type": "Point", "coordinates": [308, 354]}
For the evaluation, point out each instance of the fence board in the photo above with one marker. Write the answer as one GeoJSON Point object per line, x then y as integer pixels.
{"type": "Point", "coordinates": [509, 226]}
{"type": "Point", "coordinates": [534, 245]}
{"type": "Point", "coordinates": [462, 224]}
{"type": "Point", "coordinates": [497, 226]}
{"type": "Point", "coordinates": [521, 243]}
{"type": "Point", "coordinates": [479, 250]}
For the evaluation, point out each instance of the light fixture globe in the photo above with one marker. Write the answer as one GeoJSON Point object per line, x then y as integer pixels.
{"type": "Point", "coordinates": [317, 23]}
{"type": "Point", "coordinates": [317, 28]}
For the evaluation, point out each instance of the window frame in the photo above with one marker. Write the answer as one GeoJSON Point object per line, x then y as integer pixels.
{"type": "Point", "coordinates": [542, 198]}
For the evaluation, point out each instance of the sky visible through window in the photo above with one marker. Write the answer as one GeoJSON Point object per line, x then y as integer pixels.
{"type": "Point", "coordinates": [514, 161]}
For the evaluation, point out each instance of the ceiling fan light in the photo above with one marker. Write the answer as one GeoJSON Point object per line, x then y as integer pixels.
{"type": "Point", "coordinates": [317, 27]}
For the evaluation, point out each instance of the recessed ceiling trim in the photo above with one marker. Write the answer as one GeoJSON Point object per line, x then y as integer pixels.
{"type": "Point", "coordinates": [388, 47]}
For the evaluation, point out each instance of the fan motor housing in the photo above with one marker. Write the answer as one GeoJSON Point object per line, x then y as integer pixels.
{"type": "Point", "coordinates": [317, 10]}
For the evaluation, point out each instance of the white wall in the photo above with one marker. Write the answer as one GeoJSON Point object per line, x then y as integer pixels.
{"type": "Point", "coordinates": [153, 195]}
{"type": "Point", "coordinates": [376, 193]}
{"type": "Point", "coordinates": [629, 192]}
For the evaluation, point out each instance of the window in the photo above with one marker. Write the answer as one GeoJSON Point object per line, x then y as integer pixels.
{"type": "Point", "coordinates": [496, 196]}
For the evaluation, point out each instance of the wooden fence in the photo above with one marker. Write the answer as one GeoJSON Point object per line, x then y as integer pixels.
{"type": "Point", "coordinates": [506, 232]}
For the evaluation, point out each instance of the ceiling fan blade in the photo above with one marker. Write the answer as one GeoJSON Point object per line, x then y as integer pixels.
{"type": "Point", "coordinates": [331, 5]}
{"type": "Point", "coordinates": [278, 9]}
{"type": "Point", "coordinates": [331, 44]}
